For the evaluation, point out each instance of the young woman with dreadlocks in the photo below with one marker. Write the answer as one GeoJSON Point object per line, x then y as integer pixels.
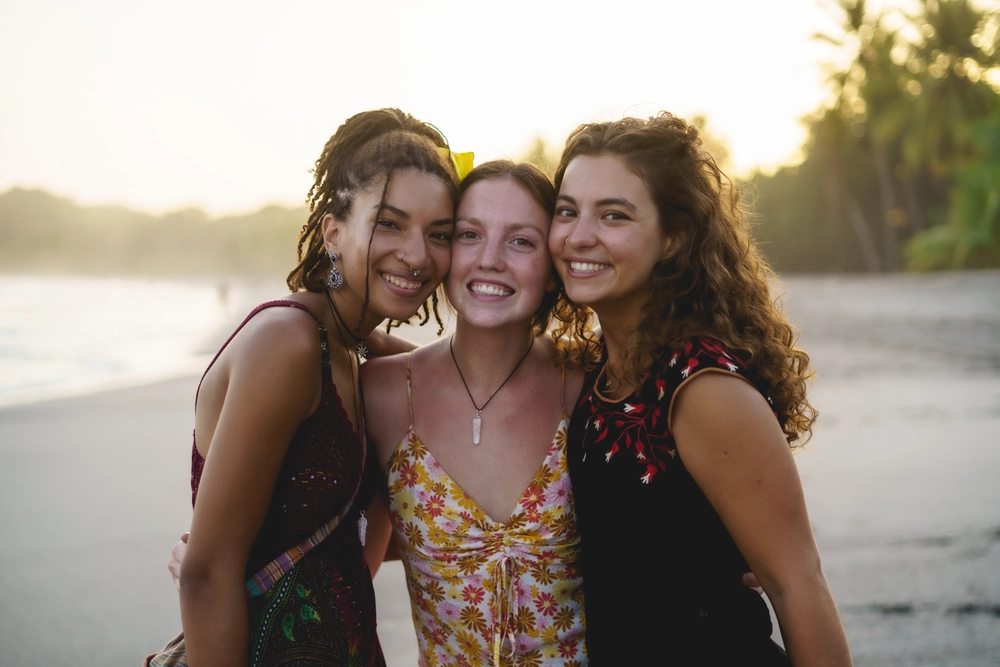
{"type": "Point", "coordinates": [278, 420]}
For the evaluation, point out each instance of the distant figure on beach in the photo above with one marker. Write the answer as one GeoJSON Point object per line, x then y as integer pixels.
{"type": "Point", "coordinates": [278, 446]}
{"type": "Point", "coordinates": [679, 445]}
{"type": "Point", "coordinates": [471, 435]}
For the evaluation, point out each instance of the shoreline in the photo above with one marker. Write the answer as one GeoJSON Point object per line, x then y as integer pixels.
{"type": "Point", "coordinates": [899, 480]}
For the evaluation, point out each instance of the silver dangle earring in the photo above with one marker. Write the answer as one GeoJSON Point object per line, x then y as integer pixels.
{"type": "Point", "coordinates": [336, 279]}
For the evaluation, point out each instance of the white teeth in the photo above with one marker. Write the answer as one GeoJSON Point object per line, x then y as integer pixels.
{"type": "Point", "coordinates": [489, 290]}
{"type": "Point", "coordinates": [586, 267]}
{"type": "Point", "coordinates": [400, 282]}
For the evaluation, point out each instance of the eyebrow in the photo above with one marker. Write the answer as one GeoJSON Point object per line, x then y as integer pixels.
{"type": "Point", "coordinates": [609, 201]}
{"type": "Point", "coordinates": [513, 226]}
{"type": "Point", "coordinates": [406, 216]}
{"type": "Point", "coordinates": [392, 209]}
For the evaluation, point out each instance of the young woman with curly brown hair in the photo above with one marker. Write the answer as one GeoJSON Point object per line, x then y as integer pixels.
{"type": "Point", "coordinates": [679, 446]}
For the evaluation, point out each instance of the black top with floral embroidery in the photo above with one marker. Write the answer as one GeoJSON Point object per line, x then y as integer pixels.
{"type": "Point", "coordinates": [661, 573]}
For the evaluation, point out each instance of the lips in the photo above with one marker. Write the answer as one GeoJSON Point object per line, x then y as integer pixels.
{"type": "Point", "coordinates": [402, 283]}
{"type": "Point", "coordinates": [586, 267]}
{"type": "Point", "coordinates": [489, 289]}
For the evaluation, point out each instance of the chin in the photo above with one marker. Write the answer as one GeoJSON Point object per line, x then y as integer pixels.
{"type": "Point", "coordinates": [581, 296]}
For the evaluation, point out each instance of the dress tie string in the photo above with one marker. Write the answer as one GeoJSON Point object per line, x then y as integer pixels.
{"type": "Point", "coordinates": [504, 605]}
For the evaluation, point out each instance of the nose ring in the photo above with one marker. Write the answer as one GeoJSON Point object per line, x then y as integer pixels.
{"type": "Point", "coordinates": [413, 272]}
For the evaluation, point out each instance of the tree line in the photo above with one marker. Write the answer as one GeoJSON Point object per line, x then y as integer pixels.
{"type": "Point", "coordinates": [40, 232]}
{"type": "Point", "coordinates": [902, 169]}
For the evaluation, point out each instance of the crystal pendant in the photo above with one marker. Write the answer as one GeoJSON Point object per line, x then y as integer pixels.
{"type": "Point", "coordinates": [477, 424]}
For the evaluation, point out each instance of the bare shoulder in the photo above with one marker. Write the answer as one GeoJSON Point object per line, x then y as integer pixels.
{"type": "Point", "coordinates": [387, 411]}
{"type": "Point", "coordinates": [279, 336]}
{"type": "Point", "coordinates": [718, 393]}
{"type": "Point", "coordinates": [382, 377]}
{"type": "Point", "coordinates": [717, 415]}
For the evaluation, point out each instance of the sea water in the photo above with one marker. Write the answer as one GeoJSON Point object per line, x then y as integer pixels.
{"type": "Point", "coordinates": [66, 335]}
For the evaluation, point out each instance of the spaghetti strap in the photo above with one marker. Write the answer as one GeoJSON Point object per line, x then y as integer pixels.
{"type": "Point", "coordinates": [288, 303]}
{"type": "Point", "coordinates": [562, 389]}
{"type": "Point", "coordinates": [409, 389]}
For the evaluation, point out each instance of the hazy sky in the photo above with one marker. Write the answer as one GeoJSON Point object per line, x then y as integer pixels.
{"type": "Point", "coordinates": [225, 105]}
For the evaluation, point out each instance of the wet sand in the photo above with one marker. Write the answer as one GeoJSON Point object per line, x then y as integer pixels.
{"type": "Point", "coordinates": [901, 475]}
{"type": "Point", "coordinates": [900, 478]}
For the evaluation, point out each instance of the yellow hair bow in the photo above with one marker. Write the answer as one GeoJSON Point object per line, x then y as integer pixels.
{"type": "Point", "coordinates": [462, 162]}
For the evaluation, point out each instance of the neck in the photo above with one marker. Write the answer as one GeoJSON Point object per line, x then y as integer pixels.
{"type": "Point", "coordinates": [619, 326]}
{"type": "Point", "coordinates": [487, 356]}
{"type": "Point", "coordinates": [347, 323]}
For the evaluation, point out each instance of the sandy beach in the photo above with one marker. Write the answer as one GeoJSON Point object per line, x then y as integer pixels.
{"type": "Point", "coordinates": [900, 477]}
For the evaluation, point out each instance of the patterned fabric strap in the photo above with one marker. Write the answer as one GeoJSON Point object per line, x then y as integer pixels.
{"type": "Point", "coordinates": [269, 575]}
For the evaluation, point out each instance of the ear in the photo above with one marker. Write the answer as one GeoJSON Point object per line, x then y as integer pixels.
{"type": "Point", "coordinates": [331, 233]}
{"type": "Point", "coordinates": [672, 244]}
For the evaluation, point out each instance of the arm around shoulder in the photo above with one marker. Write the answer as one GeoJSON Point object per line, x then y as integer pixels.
{"type": "Point", "coordinates": [734, 448]}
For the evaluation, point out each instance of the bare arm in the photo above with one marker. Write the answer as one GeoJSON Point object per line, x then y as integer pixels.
{"type": "Point", "coordinates": [735, 450]}
{"type": "Point", "coordinates": [272, 386]}
{"type": "Point", "coordinates": [381, 344]}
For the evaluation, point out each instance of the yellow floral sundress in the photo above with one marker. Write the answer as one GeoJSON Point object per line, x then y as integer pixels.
{"type": "Point", "coordinates": [484, 592]}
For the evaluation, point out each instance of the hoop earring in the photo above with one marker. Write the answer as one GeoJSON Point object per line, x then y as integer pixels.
{"type": "Point", "coordinates": [336, 279]}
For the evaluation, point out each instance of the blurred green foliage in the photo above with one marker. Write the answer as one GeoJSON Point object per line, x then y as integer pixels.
{"type": "Point", "coordinates": [902, 167]}
{"type": "Point", "coordinates": [901, 170]}
{"type": "Point", "coordinates": [40, 232]}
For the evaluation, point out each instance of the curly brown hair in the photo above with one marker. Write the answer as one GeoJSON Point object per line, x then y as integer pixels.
{"type": "Point", "coordinates": [716, 283]}
{"type": "Point", "coordinates": [538, 185]}
{"type": "Point", "coordinates": [369, 146]}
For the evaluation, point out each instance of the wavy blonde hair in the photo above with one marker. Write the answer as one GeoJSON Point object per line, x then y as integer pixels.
{"type": "Point", "coordinates": [715, 284]}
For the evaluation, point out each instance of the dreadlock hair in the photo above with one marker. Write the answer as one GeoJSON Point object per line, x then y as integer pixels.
{"type": "Point", "coordinates": [369, 146]}
{"type": "Point", "coordinates": [716, 283]}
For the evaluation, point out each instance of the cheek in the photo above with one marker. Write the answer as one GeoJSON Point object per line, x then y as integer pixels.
{"type": "Point", "coordinates": [442, 258]}
{"type": "Point", "coordinates": [556, 240]}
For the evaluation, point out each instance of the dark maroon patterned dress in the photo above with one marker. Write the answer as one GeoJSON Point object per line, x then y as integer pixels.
{"type": "Point", "coordinates": [661, 573]}
{"type": "Point", "coordinates": [328, 618]}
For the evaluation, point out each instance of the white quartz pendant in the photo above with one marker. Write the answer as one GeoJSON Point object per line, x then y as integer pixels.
{"type": "Point", "coordinates": [477, 424]}
{"type": "Point", "coordinates": [362, 528]}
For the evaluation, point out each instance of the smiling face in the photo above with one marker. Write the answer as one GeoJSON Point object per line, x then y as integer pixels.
{"type": "Point", "coordinates": [606, 235]}
{"type": "Point", "coordinates": [500, 265]}
{"type": "Point", "coordinates": [412, 230]}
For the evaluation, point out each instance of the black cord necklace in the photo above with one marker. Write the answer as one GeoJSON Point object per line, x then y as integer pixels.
{"type": "Point", "coordinates": [359, 400]}
{"type": "Point", "coordinates": [360, 350]}
{"type": "Point", "coordinates": [477, 421]}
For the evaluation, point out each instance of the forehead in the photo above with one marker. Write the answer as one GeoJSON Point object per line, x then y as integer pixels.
{"type": "Point", "coordinates": [595, 178]}
{"type": "Point", "coordinates": [412, 191]}
{"type": "Point", "coordinates": [502, 202]}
